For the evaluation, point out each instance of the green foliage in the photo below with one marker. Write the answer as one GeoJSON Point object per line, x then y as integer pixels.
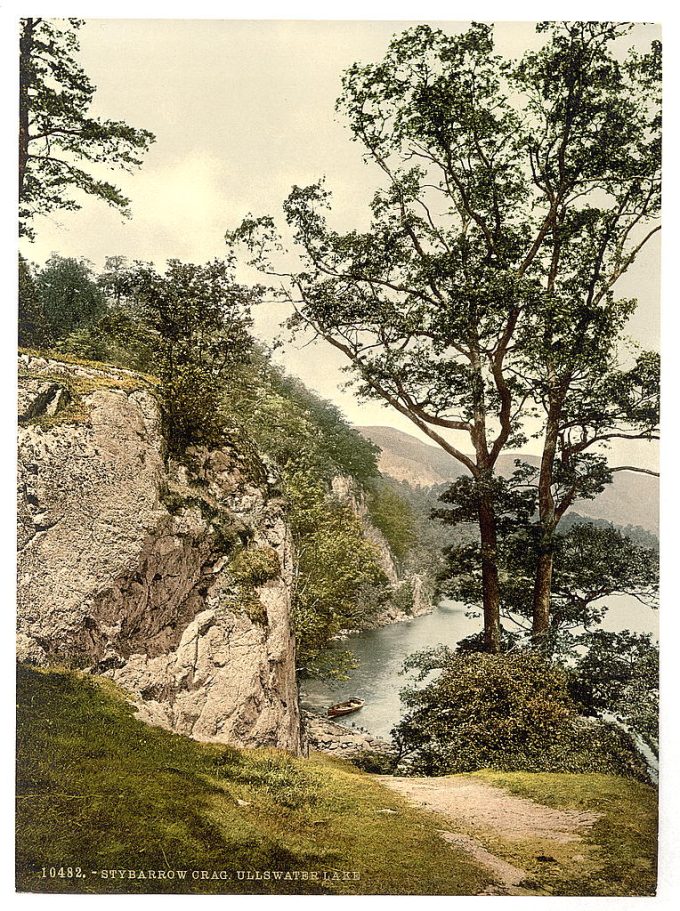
{"type": "Point", "coordinates": [120, 337]}
{"type": "Point", "coordinates": [199, 318]}
{"type": "Point", "coordinates": [619, 673]}
{"type": "Point", "coordinates": [256, 566]}
{"type": "Point", "coordinates": [514, 499]}
{"type": "Point", "coordinates": [100, 789]}
{"type": "Point", "coordinates": [294, 427]}
{"type": "Point", "coordinates": [336, 564]}
{"type": "Point", "coordinates": [115, 279]}
{"type": "Point", "coordinates": [482, 711]}
{"type": "Point", "coordinates": [70, 296]}
{"type": "Point", "coordinates": [251, 567]}
{"type": "Point", "coordinates": [338, 585]}
{"type": "Point", "coordinates": [430, 538]}
{"type": "Point", "coordinates": [635, 533]}
{"type": "Point", "coordinates": [123, 334]}
{"type": "Point", "coordinates": [505, 712]}
{"type": "Point", "coordinates": [401, 596]}
{"type": "Point", "coordinates": [33, 328]}
{"type": "Point", "coordinates": [57, 136]}
{"type": "Point", "coordinates": [327, 663]}
{"type": "Point", "coordinates": [392, 515]}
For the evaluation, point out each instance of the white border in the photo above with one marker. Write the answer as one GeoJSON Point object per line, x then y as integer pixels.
{"type": "Point", "coordinates": [358, 9]}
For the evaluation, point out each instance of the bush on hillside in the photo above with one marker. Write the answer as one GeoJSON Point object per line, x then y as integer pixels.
{"type": "Point", "coordinates": [392, 515]}
{"type": "Point", "coordinates": [294, 427]}
{"type": "Point", "coordinates": [509, 712]}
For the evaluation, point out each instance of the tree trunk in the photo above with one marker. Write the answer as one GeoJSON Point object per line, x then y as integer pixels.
{"type": "Point", "coordinates": [490, 586]}
{"type": "Point", "coordinates": [542, 589]}
{"type": "Point", "coordinates": [546, 512]}
{"type": "Point", "coordinates": [25, 65]}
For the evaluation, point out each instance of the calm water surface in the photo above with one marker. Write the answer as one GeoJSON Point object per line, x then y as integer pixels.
{"type": "Point", "coordinates": [381, 654]}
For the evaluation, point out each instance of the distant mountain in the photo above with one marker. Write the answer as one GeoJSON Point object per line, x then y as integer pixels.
{"type": "Point", "coordinates": [632, 498]}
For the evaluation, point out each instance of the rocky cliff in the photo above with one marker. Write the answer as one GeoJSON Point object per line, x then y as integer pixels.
{"type": "Point", "coordinates": [407, 588]}
{"type": "Point", "coordinates": [171, 578]}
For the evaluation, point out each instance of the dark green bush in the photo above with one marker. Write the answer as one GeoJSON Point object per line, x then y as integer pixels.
{"type": "Point", "coordinates": [375, 763]}
{"type": "Point", "coordinates": [509, 712]}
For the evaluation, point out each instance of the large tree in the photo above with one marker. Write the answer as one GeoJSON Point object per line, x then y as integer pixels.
{"type": "Point", "coordinates": [445, 305]}
{"type": "Point", "coordinates": [592, 133]}
{"type": "Point", "coordinates": [56, 133]}
{"type": "Point", "coordinates": [591, 563]}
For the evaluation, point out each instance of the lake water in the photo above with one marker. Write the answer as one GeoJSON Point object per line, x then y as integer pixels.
{"type": "Point", "coordinates": [381, 653]}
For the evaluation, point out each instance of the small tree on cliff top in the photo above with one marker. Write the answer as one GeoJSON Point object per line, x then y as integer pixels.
{"type": "Point", "coordinates": [199, 319]}
{"type": "Point", "coordinates": [488, 167]}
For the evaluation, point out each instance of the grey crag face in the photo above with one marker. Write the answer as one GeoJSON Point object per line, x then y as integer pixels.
{"type": "Point", "coordinates": [126, 567]}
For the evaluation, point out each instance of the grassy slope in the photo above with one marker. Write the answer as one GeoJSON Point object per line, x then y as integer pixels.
{"type": "Point", "coordinates": [617, 856]}
{"type": "Point", "coordinates": [100, 790]}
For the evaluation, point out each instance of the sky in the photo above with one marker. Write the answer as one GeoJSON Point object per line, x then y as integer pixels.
{"type": "Point", "coordinates": [242, 111]}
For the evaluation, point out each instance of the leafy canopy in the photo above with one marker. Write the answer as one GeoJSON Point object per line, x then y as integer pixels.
{"type": "Point", "coordinates": [70, 295]}
{"type": "Point", "coordinates": [199, 318]}
{"type": "Point", "coordinates": [59, 140]}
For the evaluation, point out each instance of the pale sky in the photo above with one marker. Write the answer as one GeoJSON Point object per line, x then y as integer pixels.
{"type": "Point", "coordinates": [242, 111]}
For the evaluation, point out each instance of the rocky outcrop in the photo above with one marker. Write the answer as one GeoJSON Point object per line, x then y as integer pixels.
{"type": "Point", "coordinates": [326, 736]}
{"type": "Point", "coordinates": [172, 579]}
{"type": "Point", "coordinates": [410, 595]}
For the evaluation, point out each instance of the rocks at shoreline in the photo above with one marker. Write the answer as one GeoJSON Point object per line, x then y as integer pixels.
{"type": "Point", "coordinates": [326, 736]}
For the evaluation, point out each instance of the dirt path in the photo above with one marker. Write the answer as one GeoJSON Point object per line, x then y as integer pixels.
{"type": "Point", "coordinates": [492, 810]}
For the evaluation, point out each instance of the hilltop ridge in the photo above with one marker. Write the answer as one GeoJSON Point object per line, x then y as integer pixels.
{"type": "Point", "coordinates": [631, 499]}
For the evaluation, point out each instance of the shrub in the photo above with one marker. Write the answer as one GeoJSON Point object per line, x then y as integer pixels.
{"type": "Point", "coordinates": [199, 318]}
{"type": "Point", "coordinates": [619, 673]}
{"type": "Point", "coordinates": [374, 762]}
{"type": "Point", "coordinates": [507, 712]}
{"type": "Point", "coordinates": [256, 566]}
{"type": "Point", "coordinates": [69, 295]}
